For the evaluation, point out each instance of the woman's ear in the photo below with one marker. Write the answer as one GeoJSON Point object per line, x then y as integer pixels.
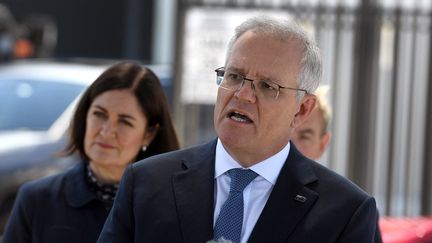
{"type": "Point", "coordinates": [150, 134]}
{"type": "Point", "coordinates": [307, 105]}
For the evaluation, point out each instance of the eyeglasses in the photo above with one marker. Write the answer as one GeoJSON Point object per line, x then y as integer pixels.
{"type": "Point", "coordinates": [233, 81]}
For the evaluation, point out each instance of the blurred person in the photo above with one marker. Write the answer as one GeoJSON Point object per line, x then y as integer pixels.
{"type": "Point", "coordinates": [8, 28]}
{"type": "Point", "coordinates": [312, 136]}
{"type": "Point", "coordinates": [250, 184]}
{"type": "Point", "coordinates": [122, 117]}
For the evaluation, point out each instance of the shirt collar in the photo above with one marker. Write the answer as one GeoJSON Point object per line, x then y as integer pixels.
{"type": "Point", "coordinates": [268, 169]}
{"type": "Point", "coordinates": [76, 188]}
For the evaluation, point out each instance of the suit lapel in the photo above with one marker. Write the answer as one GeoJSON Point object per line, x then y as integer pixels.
{"type": "Point", "coordinates": [289, 201]}
{"type": "Point", "coordinates": [194, 194]}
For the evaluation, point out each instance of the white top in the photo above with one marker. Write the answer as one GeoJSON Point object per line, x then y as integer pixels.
{"type": "Point", "coordinates": [255, 194]}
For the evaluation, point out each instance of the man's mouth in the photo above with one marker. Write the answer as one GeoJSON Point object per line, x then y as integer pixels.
{"type": "Point", "coordinates": [239, 117]}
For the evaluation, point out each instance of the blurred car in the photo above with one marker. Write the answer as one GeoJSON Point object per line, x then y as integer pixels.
{"type": "Point", "coordinates": [406, 229]}
{"type": "Point", "coordinates": [37, 100]}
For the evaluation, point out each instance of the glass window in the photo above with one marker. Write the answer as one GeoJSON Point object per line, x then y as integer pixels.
{"type": "Point", "coordinates": [33, 105]}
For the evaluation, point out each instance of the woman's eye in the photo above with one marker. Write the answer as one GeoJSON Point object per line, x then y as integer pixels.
{"type": "Point", "coordinates": [127, 123]}
{"type": "Point", "coordinates": [99, 114]}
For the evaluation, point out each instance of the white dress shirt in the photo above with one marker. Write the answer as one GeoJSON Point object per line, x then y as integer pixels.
{"type": "Point", "coordinates": [255, 194]}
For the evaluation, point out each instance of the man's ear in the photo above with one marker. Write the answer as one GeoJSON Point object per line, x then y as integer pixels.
{"type": "Point", "coordinates": [307, 105]}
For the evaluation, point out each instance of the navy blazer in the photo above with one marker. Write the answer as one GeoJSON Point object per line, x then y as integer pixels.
{"type": "Point", "coordinates": [170, 198]}
{"type": "Point", "coordinates": [59, 208]}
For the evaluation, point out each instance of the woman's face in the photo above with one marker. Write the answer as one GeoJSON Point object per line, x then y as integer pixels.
{"type": "Point", "coordinates": [116, 131]}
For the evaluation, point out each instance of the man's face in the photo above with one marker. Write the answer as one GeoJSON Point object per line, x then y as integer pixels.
{"type": "Point", "coordinates": [310, 137]}
{"type": "Point", "coordinates": [251, 128]}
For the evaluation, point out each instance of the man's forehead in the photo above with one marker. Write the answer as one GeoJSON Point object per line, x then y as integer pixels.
{"type": "Point", "coordinates": [278, 61]}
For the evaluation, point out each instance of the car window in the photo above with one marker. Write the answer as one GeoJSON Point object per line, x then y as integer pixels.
{"type": "Point", "coordinates": [34, 105]}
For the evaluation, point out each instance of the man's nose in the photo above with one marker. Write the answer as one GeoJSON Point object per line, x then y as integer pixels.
{"type": "Point", "coordinates": [246, 91]}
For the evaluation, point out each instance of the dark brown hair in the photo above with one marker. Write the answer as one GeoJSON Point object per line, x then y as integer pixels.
{"type": "Point", "coordinates": [150, 95]}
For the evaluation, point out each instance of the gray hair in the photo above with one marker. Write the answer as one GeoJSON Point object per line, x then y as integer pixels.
{"type": "Point", "coordinates": [284, 30]}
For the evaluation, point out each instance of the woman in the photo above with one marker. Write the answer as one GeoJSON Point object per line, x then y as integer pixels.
{"type": "Point", "coordinates": [121, 118]}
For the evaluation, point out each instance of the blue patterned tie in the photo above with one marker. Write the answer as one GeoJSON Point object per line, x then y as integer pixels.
{"type": "Point", "coordinates": [229, 223]}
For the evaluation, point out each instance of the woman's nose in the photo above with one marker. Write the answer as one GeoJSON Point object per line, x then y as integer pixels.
{"type": "Point", "coordinates": [108, 129]}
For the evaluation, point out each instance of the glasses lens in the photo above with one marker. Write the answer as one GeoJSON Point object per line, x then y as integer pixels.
{"type": "Point", "coordinates": [219, 75]}
{"type": "Point", "coordinates": [266, 89]}
{"type": "Point", "coordinates": [233, 80]}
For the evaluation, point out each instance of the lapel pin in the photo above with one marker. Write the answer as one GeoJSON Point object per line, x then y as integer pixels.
{"type": "Point", "coordinates": [300, 198]}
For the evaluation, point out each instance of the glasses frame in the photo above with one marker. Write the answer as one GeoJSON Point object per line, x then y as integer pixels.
{"type": "Point", "coordinates": [220, 73]}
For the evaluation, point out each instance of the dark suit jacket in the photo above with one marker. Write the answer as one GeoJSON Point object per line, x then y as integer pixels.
{"type": "Point", "coordinates": [56, 209]}
{"type": "Point", "coordinates": [170, 198]}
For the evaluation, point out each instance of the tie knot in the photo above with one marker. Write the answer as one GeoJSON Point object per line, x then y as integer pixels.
{"type": "Point", "coordinates": [240, 178]}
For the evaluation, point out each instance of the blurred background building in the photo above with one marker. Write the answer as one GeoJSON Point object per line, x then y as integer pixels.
{"type": "Point", "coordinates": [102, 29]}
{"type": "Point", "coordinates": [376, 60]}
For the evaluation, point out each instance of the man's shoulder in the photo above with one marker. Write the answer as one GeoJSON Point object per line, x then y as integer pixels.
{"type": "Point", "coordinates": [338, 184]}
{"type": "Point", "coordinates": [323, 180]}
{"type": "Point", "coordinates": [176, 160]}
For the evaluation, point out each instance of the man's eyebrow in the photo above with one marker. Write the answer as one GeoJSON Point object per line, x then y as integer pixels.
{"type": "Point", "coordinates": [243, 72]}
{"type": "Point", "coordinates": [234, 69]}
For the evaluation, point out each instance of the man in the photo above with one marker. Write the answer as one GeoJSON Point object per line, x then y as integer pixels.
{"type": "Point", "coordinates": [312, 136]}
{"type": "Point", "coordinates": [251, 184]}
